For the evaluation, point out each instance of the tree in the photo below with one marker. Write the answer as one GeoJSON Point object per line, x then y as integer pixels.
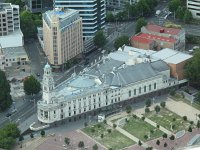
{"type": "Point", "coordinates": [147, 110]}
{"type": "Point", "coordinates": [180, 12]}
{"type": "Point", "coordinates": [81, 144]}
{"type": "Point", "coordinates": [114, 125]}
{"type": "Point", "coordinates": [95, 147]}
{"type": "Point", "coordinates": [128, 109]}
{"type": "Point", "coordinates": [172, 92]}
{"type": "Point", "coordinates": [42, 133]}
{"type": "Point", "coordinates": [187, 16]}
{"type": "Point", "coordinates": [143, 7]}
{"type": "Point", "coordinates": [27, 24]}
{"type": "Point", "coordinates": [5, 97]}
{"type": "Point", "coordinates": [102, 135]}
{"type": "Point", "coordinates": [198, 124]}
{"type": "Point", "coordinates": [148, 103]}
{"type": "Point", "coordinates": [190, 129]}
{"type": "Point", "coordinates": [31, 135]}
{"type": "Point", "coordinates": [185, 118]}
{"type": "Point", "coordinates": [157, 108]}
{"type": "Point", "coordinates": [99, 39]}
{"type": "Point", "coordinates": [21, 138]}
{"type": "Point", "coordinates": [67, 140]}
{"type": "Point", "coordinates": [8, 134]}
{"type": "Point", "coordinates": [31, 85]}
{"type": "Point", "coordinates": [192, 72]}
{"type": "Point", "coordinates": [139, 24]}
{"type": "Point", "coordinates": [109, 130]}
{"type": "Point", "coordinates": [120, 41]}
{"type": "Point", "coordinates": [110, 17]}
{"type": "Point", "coordinates": [172, 137]}
{"type": "Point", "coordinates": [139, 143]}
{"type": "Point", "coordinates": [149, 148]}
{"type": "Point", "coordinates": [165, 144]}
{"type": "Point", "coordinates": [145, 137]}
{"type": "Point", "coordinates": [164, 135]}
{"type": "Point", "coordinates": [173, 5]}
{"type": "Point", "coordinates": [163, 104]}
{"type": "Point", "coordinates": [158, 142]}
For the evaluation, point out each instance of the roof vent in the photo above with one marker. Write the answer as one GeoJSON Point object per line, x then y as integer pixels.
{"type": "Point", "coordinates": [124, 65]}
{"type": "Point", "coordinates": [162, 30]}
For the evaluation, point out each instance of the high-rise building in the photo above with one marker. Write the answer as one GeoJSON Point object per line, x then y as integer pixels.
{"type": "Point", "coordinates": [93, 13]}
{"type": "Point", "coordinates": [36, 6]}
{"type": "Point", "coordinates": [119, 4]}
{"type": "Point", "coordinates": [62, 35]}
{"type": "Point", "coordinates": [9, 18]}
{"type": "Point", "coordinates": [194, 7]}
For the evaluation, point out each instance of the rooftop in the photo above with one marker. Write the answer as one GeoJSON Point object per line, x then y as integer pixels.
{"type": "Point", "coordinates": [10, 52]}
{"type": "Point", "coordinates": [148, 38]}
{"type": "Point", "coordinates": [14, 39]}
{"type": "Point", "coordinates": [4, 6]}
{"type": "Point", "coordinates": [156, 28]}
{"type": "Point", "coordinates": [171, 56]}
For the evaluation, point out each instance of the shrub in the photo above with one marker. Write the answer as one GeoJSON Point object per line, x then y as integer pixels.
{"type": "Point", "coordinates": [174, 119]}
{"type": "Point", "coordinates": [67, 140]}
{"type": "Point", "coordinates": [104, 121]}
{"type": "Point", "coordinates": [172, 137]}
{"type": "Point", "coordinates": [172, 92]}
{"type": "Point", "coordinates": [42, 133]}
{"type": "Point", "coordinates": [152, 131]}
{"type": "Point", "coordinates": [147, 110]}
{"type": "Point", "coordinates": [157, 108]}
{"type": "Point", "coordinates": [128, 109]}
{"type": "Point", "coordinates": [148, 103]}
{"type": "Point", "coordinates": [149, 148]}
{"type": "Point", "coordinates": [102, 136]}
{"type": "Point", "coordinates": [185, 118]}
{"type": "Point", "coordinates": [127, 120]}
{"type": "Point", "coordinates": [145, 137]}
{"type": "Point", "coordinates": [134, 116]}
{"type": "Point", "coordinates": [164, 135]}
{"type": "Point", "coordinates": [191, 122]}
{"type": "Point", "coordinates": [158, 126]}
{"type": "Point", "coordinates": [165, 145]}
{"type": "Point", "coordinates": [114, 125]}
{"type": "Point", "coordinates": [163, 104]}
{"type": "Point", "coordinates": [189, 129]}
{"type": "Point", "coordinates": [158, 142]}
{"type": "Point", "coordinates": [85, 124]}
{"type": "Point", "coordinates": [95, 147]}
{"type": "Point", "coordinates": [109, 130]}
{"type": "Point", "coordinates": [143, 118]}
{"type": "Point", "coordinates": [139, 143]}
{"type": "Point", "coordinates": [81, 144]}
{"type": "Point", "coordinates": [99, 125]}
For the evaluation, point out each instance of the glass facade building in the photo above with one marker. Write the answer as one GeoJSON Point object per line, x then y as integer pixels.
{"type": "Point", "coordinates": [93, 13]}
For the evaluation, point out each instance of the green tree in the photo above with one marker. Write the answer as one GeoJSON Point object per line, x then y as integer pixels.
{"type": "Point", "coordinates": [192, 72]}
{"type": "Point", "coordinates": [163, 104]}
{"type": "Point", "coordinates": [27, 24]}
{"type": "Point", "coordinates": [190, 129]}
{"type": "Point", "coordinates": [187, 16]}
{"type": "Point", "coordinates": [158, 142]}
{"type": "Point", "coordinates": [139, 143]}
{"type": "Point", "coordinates": [110, 17]}
{"type": "Point", "coordinates": [8, 135]}
{"type": "Point", "coordinates": [148, 103]}
{"type": "Point", "coordinates": [5, 98]}
{"type": "Point", "coordinates": [95, 147]}
{"type": "Point", "coordinates": [185, 118]}
{"type": "Point", "coordinates": [31, 85]}
{"type": "Point", "coordinates": [128, 109]}
{"type": "Point", "coordinates": [81, 144]}
{"type": "Point", "coordinates": [157, 108]}
{"type": "Point", "coordinates": [147, 110]}
{"type": "Point", "coordinates": [120, 41]}
{"type": "Point", "coordinates": [67, 140]}
{"type": "Point", "coordinates": [42, 133]}
{"type": "Point", "coordinates": [144, 8]}
{"type": "Point", "coordinates": [99, 39]}
{"type": "Point", "coordinates": [172, 137]}
{"type": "Point", "coordinates": [139, 24]}
{"type": "Point", "coordinates": [180, 12]}
{"type": "Point", "coordinates": [173, 5]}
{"type": "Point", "coordinates": [164, 135]}
{"type": "Point", "coordinates": [165, 144]}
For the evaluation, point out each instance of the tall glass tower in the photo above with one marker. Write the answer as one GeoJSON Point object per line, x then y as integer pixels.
{"type": "Point", "coordinates": [93, 13]}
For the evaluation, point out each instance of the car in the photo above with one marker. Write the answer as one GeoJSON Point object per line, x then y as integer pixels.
{"type": "Point", "coordinates": [8, 114]}
{"type": "Point", "coordinates": [14, 110]}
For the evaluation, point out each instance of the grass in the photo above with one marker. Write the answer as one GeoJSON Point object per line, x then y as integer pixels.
{"type": "Point", "coordinates": [140, 128]}
{"type": "Point", "coordinates": [114, 140]}
{"type": "Point", "coordinates": [167, 118]}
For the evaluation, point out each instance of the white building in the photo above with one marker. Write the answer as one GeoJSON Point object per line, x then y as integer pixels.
{"type": "Point", "coordinates": [122, 75]}
{"type": "Point", "coordinates": [10, 33]}
{"type": "Point", "coordinates": [194, 7]}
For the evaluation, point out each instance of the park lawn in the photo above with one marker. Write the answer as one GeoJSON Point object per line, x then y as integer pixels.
{"type": "Point", "coordinates": [165, 118]}
{"type": "Point", "coordinates": [140, 128]}
{"type": "Point", "coordinates": [114, 140]}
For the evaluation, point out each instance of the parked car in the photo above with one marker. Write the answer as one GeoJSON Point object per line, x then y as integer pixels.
{"type": "Point", "coordinates": [8, 114]}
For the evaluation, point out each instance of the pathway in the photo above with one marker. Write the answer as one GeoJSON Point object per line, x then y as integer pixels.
{"type": "Point", "coordinates": [183, 109]}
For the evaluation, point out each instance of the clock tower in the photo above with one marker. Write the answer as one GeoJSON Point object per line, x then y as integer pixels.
{"type": "Point", "coordinates": [47, 84]}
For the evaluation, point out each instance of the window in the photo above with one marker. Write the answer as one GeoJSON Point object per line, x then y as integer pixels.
{"type": "Point", "coordinates": [118, 99]}
{"type": "Point", "coordinates": [149, 87]}
{"type": "Point", "coordinates": [154, 85]}
{"type": "Point", "coordinates": [134, 91]}
{"type": "Point", "coordinates": [94, 106]}
{"type": "Point", "coordinates": [99, 105]}
{"type": "Point", "coordinates": [140, 90]}
{"type": "Point", "coordinates": [69, 108]}
{"type": "Point", "coordinates": [61, 110]}
{"type": "Point", "coordinates": [84, 109]}
{"type": "Point", "coordinates": [74, 112]}
{"type": "Point", "coordinates": [69, 114]}
{"type": "Point", "coordinates": [54, 112]}
{"type": "Point", "coordinates": [145, 88]}
{"type": "Point", "coordinates": [129, 93]}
